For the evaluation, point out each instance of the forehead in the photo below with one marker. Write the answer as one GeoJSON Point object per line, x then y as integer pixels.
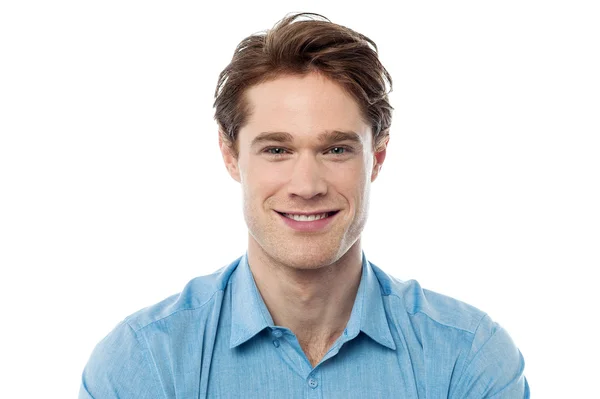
{"type": "Point", "coordinates": [304, 106]}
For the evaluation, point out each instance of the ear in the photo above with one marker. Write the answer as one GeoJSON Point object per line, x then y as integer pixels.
{"type": "Point", "coordinates": [230, 158]}
{"type": "Point", "coordinates": [378, 158]}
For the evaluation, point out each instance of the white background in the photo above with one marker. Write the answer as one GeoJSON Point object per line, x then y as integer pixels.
{"type": "Point", "coordinates": [113, 194]}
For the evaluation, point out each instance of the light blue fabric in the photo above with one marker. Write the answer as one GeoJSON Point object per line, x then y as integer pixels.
{"type": "Point", "coordinates": [217, 340]}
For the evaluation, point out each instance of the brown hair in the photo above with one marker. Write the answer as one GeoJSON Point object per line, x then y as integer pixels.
{"type": "Point", "coordinates": [298, 47]}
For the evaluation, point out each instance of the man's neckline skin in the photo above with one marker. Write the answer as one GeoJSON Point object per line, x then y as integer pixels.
{"type": "Point", "coordinates": [314, 304]}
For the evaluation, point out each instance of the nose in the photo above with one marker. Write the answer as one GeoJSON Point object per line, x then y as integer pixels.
{"type": "Point", "coordinates": [307, 179]}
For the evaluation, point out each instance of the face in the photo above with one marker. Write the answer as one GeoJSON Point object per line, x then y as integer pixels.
{"type": "Point", "coordinates": [305, 163]}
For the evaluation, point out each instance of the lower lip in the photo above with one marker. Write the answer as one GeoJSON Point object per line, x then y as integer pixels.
{"type": "Point", "coordinates": [311, 226]}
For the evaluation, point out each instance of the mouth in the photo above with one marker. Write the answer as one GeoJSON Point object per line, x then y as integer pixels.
{"type": "Point", "coordinates": [308, 217]}
{"type": "Point", "coordinates": [306, 222]}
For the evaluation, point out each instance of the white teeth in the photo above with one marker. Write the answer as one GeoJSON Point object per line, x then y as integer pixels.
{"type": "Point", "coordinates": [305, 218]}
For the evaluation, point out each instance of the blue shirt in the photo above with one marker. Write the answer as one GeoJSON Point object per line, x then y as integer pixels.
{"type": "Point", "coordinates": [216, 339]}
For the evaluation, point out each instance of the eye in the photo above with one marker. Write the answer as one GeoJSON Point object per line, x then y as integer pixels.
{"type": "Point", "coordinates": [275, 151]}
{"type": "Point", "coordinates": [338, 150]}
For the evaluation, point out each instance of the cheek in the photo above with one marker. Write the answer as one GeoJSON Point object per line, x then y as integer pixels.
{"type": "Point", "coordinates": [351, 176]}
{"type": "Point", "coordinates": [261, 180]}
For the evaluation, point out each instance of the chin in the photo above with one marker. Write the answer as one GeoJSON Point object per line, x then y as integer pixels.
{"type": "Point", "coordinates": [304, 262]}
{"type": "Point", "coordinates": [305, 256]}
{"type": "Point", "coordinates": [297, 251]}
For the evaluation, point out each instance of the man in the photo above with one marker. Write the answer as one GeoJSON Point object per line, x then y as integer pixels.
{"type": "Point", "coordinates": [304, 121]}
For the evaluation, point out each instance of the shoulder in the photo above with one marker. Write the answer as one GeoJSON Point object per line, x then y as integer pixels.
{"type": "Point", "coordinates": [198, 293]}
{"type": "Point", "coordinates": [122, 361]}
{"type": "Point", "coordinates": [441, 309]}
{"type": "Point", "coordinates": [488, 361]}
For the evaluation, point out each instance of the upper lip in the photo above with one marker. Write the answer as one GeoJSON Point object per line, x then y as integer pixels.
{"type": "Point", "coordinates": [308, 213]}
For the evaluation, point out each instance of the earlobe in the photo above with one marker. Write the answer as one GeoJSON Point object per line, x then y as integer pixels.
{"type": "Point", "coordinates": [230, 159]}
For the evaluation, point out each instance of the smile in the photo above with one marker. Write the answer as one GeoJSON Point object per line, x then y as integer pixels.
{"type": "Point", "coordinates": [306, 218]}
{"type": "Point", "coordinates": [308, 222]}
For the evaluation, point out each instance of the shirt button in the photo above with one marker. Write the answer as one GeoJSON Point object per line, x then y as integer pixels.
{"type": "Point", "coordinates": [276, 343]}
{"type": "Point", "coordinates": [312, 383]}
{"type": "Point", "coordinates": [277, 333]}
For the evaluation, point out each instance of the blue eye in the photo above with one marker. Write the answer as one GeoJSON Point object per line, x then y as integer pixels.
{"type": "Point", "coordinates": [341, 151]}
{"type": "Point", "coordinates": [275, 151]}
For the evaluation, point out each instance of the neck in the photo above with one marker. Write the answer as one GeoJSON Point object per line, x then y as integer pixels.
{"type": "Point", "coordinates": [314, 303]}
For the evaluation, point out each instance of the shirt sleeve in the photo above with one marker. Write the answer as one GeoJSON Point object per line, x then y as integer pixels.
{"type": "Point", "coordinates": [493, 367]}
{"type": "Point", "coordinates": [119, 367]}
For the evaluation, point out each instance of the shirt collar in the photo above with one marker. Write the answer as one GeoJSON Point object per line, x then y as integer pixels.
{"type": "Point", "coordinates": [249, 314]}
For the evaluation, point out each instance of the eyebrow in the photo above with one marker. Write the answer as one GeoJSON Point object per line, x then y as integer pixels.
{"type": "Point", "coordinates": [329, 136]}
